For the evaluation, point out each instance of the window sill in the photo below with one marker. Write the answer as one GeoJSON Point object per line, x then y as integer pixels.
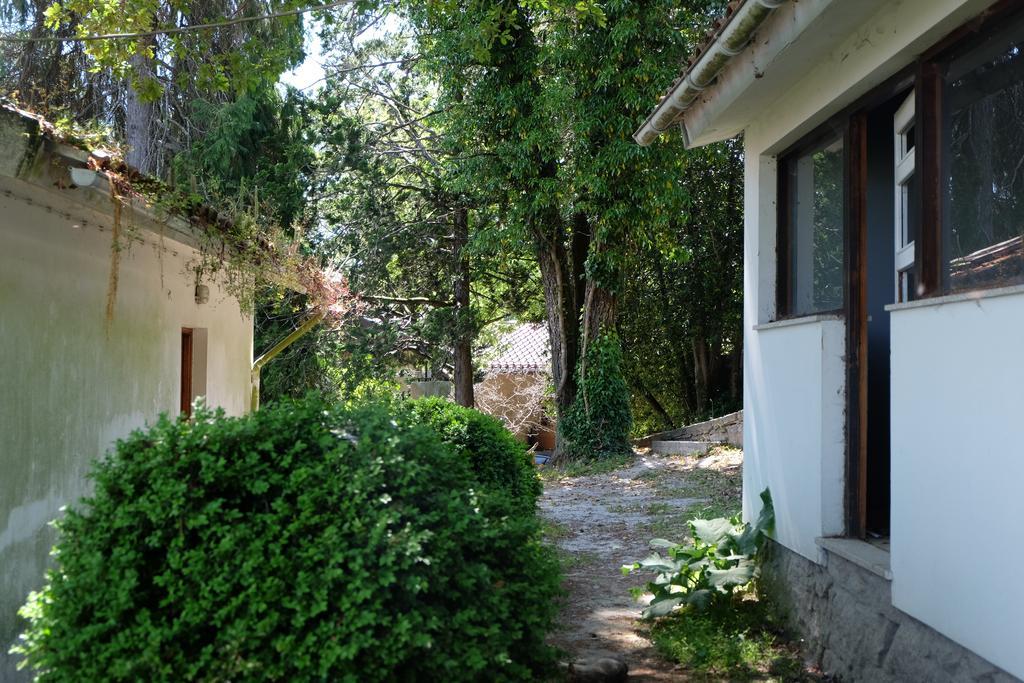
{"type": "Point", "coordinates": [804, 320]}
{"type": "Point", "coordinates": [861, 553]}
{"type": "Point", "coordinates": [974, 295]}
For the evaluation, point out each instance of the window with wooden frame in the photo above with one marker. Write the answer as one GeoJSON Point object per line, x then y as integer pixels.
{"type": "Point", "coordinates": [811, 253]}
{"type": "Point", "coordinates": [973, 148]}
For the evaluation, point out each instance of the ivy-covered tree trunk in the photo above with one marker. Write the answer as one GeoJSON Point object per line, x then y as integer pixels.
{"type": "Point", "coordinates": [599, 421]}
{"type": "Point", "coordinates": [463, 347]}
{"type": "Point", "coordinates": [599, 312]}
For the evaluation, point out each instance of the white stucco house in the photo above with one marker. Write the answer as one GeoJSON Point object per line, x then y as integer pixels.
{"type": "Point", "coordinates": [74, 378]}
{"type": "Point", "coordinates": [883, 318]}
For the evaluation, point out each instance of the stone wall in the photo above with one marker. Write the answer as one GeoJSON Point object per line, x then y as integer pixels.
{"type": "Point", "coordinates": [727, 429]}
{"type": "Point", "coordinates": [850, 629]}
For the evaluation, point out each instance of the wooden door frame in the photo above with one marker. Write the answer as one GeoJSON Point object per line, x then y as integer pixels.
{"type": "Point", "coordinates": [856, 326]}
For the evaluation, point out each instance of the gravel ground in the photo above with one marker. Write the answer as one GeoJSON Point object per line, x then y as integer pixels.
{"type": "Point", "coordinates": [600, 522]}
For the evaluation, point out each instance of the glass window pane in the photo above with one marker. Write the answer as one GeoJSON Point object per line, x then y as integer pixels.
{"type": "Point", "coordinates": [815, 229]}
{"type": "Point", "coordinates": [984, 216]}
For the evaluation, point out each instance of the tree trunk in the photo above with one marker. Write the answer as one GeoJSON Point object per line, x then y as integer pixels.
{"type": "Point", "coordinates": [579, 246]}
{"type": "Point", "coordinates": [562, 317]}
{"type": "Point", "coordinates": [599, 312]}
{"type": "Point", "coordinates": [140, 119]}
{"type": "Point", "coordinates": [736, 370]}
{"type": "Point", "coordinates": [600, 307]}
{"type": "Point", "coordinates": [464, 332]}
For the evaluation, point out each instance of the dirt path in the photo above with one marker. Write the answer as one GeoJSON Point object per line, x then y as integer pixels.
{"type": "Point", "coordinates": [602, 521]}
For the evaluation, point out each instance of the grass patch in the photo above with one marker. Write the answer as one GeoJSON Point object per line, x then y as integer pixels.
{"type": "Point", "coordinates": [660, 509]}
{"type": "Point", "coordinates": [650, 475]}
{"type": "Point", "coordinates": [672, 527]}
{"type": "Point", "coordinates": [741, 641]}
{"type": "Point", "coordinates": [574, 560]}
{"type": "Point", "coordinates": [589, 468]}
{"type": "Point", "coordinates": [553, 531]}
{"type": "Point", "coordinates": [720, 488]}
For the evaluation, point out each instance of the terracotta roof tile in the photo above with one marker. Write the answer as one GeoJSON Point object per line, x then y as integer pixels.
{"type": "Point", "coordinates": [522, 349]}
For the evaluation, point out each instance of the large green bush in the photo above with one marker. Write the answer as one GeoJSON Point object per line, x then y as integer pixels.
{"type": "Point", "coordinates": [305, 542]}
{"type": "Point", "coordinates": [499, 462]}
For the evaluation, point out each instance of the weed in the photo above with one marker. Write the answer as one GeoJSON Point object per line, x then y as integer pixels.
{"type": "Point", "coordinates": [738, 641]}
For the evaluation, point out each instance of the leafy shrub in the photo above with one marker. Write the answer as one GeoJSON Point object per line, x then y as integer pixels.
{"type": "Point", "coordinates": [599, 421]}
{"type": "Point", "coordinates": [499, 462]}
{"type": "Point", "coordinates": [304, 542]}
{"type": "Point", "coordinates": [722, 558]}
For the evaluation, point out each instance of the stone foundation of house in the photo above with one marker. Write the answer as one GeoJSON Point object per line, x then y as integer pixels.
{"type": "Point", "coordinates": [849, 628]}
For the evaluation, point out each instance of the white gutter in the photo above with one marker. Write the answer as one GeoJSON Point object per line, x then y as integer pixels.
{"type": "Point", "coordinates": [731, 40]}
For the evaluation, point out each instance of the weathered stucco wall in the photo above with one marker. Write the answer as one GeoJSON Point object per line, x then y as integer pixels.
{"type": "Point", "coordinates": [515, 398]}
{"type": "Point", "coordinates": [69, 386]}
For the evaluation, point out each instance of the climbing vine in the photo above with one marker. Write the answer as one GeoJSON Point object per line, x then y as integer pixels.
{"type": "Point", "coordinates": [598, 423]}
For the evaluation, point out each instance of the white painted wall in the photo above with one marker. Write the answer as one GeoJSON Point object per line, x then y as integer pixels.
{"type": "Point", "coordinates": [958, 406]}
{"type": "Point", "coordinates": [958, 472]}
{"type": "Point", "coordinates": [68, 386]}
{"type": "Point", "coordinates": [793, 426]}
{"type": "Point", "coordinates": [794, 388]}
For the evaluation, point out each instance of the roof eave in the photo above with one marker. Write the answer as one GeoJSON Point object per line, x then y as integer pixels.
{"type": "Point", "coordinates": [27, 142]}
{"type": "Point", "coordinates": [729, 41]}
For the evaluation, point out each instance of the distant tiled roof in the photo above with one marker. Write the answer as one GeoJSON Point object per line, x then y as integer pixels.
{"type": "Point", "coordinates": [523, 349]}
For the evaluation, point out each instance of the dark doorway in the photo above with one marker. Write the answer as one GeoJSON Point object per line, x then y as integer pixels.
{"type": "Point", "coordinates": [186, 371]}
{"type": "Point", "coordinates": [883, 238]}
{"type": "Point", "coordinates": [880, 291]}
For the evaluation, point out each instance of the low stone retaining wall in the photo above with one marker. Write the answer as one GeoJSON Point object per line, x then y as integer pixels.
{"type": "Point", "coordinates": [726, 429]}
{"type": "Point", "coordinates": [850, 629]}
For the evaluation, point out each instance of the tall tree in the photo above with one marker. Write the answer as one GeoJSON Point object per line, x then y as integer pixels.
{"type": "Point", "coordinates": [548, 94]}
{"type": "Point", "coordinates": [395, 210]}
{"type": "Point", "coordinates": [176, 54]}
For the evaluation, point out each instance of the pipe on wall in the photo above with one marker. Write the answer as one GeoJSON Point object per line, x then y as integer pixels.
{"type": "Point", "coordinates": [257, 365]}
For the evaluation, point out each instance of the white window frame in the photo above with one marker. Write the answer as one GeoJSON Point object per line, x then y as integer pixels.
{"type": "Point", "coordinates": [904, 164]}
